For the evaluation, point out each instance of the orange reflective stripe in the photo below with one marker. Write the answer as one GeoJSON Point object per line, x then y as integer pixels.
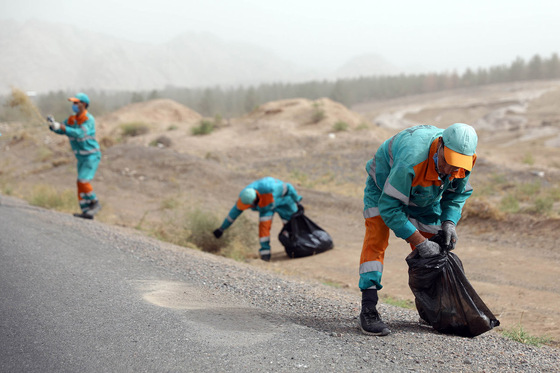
{"type": "Point", "coordinates": [376, 240]}
{"type": "Point", "coordinates": [264, 228]}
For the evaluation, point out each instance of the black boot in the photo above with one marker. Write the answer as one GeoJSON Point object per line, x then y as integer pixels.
{"type": "Point", "coordinates": [370, 321]}
{"type": "Point", "coordinates": [265, 257]}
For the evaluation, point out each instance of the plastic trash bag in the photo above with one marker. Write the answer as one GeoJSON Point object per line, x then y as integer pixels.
{"type": "Point", "coordinates": [444, 296]}
{"type": "Point", "coordinates": [302, 237]}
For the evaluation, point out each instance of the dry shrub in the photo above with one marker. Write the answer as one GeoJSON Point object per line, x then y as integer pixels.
{"type": "Point", "coordinates": [21, 101]}
{"type": "Point", "coordinates": [106, 142]}
{"type": "Point", "coordinates": [482, 209]}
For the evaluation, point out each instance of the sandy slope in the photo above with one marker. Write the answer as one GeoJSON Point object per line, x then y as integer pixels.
{"type": "Point", "coordinates": [512, 262]}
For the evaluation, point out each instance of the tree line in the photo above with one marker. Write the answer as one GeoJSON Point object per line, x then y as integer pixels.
{"type": "Point", "coordinates": [236, 101]}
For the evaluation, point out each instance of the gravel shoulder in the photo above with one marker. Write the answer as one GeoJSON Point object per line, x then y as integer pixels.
{"type": "Point", "coordinates": [326, 317]}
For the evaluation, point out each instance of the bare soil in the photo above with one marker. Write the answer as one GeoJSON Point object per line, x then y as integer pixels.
{"type": "Point", "coordinates": [512, 260]}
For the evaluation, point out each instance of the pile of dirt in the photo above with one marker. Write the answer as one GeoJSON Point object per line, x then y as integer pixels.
{"type": "Point", "coordinates": [159, 114]}
{"type": "Point", "coordinates": [304, 114]}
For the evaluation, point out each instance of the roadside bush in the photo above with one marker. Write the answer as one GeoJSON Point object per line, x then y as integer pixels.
{"type": "Point", "coordinates": [51, 198]}
{"type": "Point", "coordinates": [204, 128]}
{"type": "Point", "coordinates": [194, 228]}
{"type": "Point", "coordinates": [134, 129]}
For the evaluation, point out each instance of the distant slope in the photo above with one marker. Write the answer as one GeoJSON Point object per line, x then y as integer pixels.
{"type": "Point", "coordinates": [42, 56]}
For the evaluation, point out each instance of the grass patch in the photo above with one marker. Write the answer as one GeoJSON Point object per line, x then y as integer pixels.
{"type": "Point", "coordinates": [402, 303]}
{"type": "Point", "coordinates": [51, 198]}
{"type": "Point", "coordinates": [134, 129]}
{"type": "Point", "coordinates": [340, 126]}
{"type": "Point", "coordinates": [518, 334]}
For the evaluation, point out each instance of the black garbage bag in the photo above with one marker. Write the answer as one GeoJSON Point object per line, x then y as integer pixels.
{"type": "Point", "coordinates": [302, 237]}
{"type": "Point", "coordinates": [444, 296]}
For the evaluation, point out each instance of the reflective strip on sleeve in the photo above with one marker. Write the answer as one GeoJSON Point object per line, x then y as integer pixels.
{"type": "Point", "coordinates": [86, 152]}
{"type": "Point", "coordinates": [266, 218]}
{"type": "Point", "coordinates": [284, 189]}
{"type": "Point", "coordinates": [264, 239]}
{"type": "Point", "coordinates": [264, 252]}
{"type": "Point", "coordinates": [85, 138]}
{"type": "Point", "coordinates": [229, 219]}
{"type": "Point", "coordinates": [390, 190]}
{"type": "Point", "coordinates": [373, 266]}
{"type": "Point", "coordinates": [371, 172]}
{"type": "Point", "coordinates": [468, 187]}
{"type": "Point", "coordinates": [391, 151]}
{"type": "Point", "coordinates": [428, 228]}
{"type": "Point", "coordinates": [371, 212]}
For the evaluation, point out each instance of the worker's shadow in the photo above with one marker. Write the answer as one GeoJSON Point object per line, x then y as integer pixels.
{"type": "Point", "coordinates": [349, 326]}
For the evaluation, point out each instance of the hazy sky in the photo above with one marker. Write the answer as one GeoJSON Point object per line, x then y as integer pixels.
{"type": "Point", "coordinates": [437, 35]}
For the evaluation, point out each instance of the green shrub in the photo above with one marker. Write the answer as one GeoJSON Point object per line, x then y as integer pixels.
{"type": "Point", "coordinates": [206, 127]}
{"type": "Point", "coordinates": [134, 129]}
{"type": "Point", "coordinates": [543, 205]}
{"type": "Point", "coordinates": [340, 126]}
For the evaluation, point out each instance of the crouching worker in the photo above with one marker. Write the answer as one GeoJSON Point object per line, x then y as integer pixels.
{"type": "Point", "coordinates": [267, 196]}
{"type": "Point", "coordinates": [80, 129]}
{"type": "Point", "coordinates": [417, 184]}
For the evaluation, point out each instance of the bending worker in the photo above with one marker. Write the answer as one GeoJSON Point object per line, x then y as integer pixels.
{"type": "Point", "coordinates": [80, 129]}
{"type": "Point", "coordinates": [267, 196]}
{"type": "Point", "coordinates": [417, 184]}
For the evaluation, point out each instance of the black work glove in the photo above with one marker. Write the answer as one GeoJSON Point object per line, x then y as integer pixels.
{"type": "Point", "coordinates": [449, 234]}
{"type": "Point", "coordinates": [428, 249]}
{"type": "Point", "coordinates": [218, 232]}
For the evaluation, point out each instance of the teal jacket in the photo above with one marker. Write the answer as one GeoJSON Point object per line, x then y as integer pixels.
{"type": "Point", "coordinates": [274, 196]}
{"type": "Point", "coordinates": [81, 134]}
{"type": "Point", "coordinates": [403, 184]}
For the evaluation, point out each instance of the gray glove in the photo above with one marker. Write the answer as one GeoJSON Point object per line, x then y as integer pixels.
{"type": "Point", "coordinates": [428, 248]}
{"type": "Point", "coordinates": [449, 234]}
{"type": "Point", "coordinates": [53, 125]}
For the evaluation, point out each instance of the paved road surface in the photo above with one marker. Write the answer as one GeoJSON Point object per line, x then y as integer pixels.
{"type": "Point", "coordinates": [79, 296]}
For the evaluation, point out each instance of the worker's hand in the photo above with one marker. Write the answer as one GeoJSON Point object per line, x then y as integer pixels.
{"type": "Point", "coordinates": [428, 249]}
{"type": "Point", "coordinates": [449, 234]}
{"type": "Point", "coordinates": [53, 124]}
{"type": "Point", "coordinates": [218, 232]}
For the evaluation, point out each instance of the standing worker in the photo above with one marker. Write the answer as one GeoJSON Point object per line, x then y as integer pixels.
{"type": "Point", "coordinates": [267, 196]}
{"type": "Point", "coordinates": [80, 129]}
{"type": "Point", "coordinates": [417, 185]}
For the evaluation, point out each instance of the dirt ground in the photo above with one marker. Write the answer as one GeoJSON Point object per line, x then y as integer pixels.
{"type": "Point", "coordinates": [512, 260]}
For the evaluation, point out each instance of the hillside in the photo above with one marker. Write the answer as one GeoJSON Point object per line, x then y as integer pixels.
{"type": "Point", "coordinates": [143, 186]}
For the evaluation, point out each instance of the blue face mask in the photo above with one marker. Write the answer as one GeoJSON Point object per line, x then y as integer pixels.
{"type": "Point", "coordinates": [436, 160]}
{"type": "Point", "coordinates": [75, 108]}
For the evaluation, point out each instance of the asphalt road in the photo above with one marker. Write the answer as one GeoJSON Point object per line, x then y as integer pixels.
{"type": "Point", "coordinates": [72, 304]}
{"type": "Point", "coordinates": [80, 296]}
